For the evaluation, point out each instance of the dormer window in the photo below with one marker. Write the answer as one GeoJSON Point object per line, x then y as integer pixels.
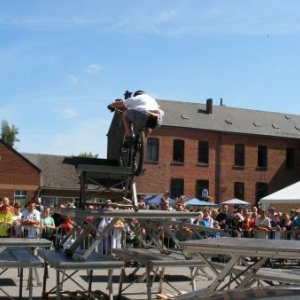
{"type": "Point", "coordinates": [185, 117]}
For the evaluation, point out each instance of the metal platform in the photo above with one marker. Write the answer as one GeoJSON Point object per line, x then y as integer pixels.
{"type": "Point", "coordinates": [106, 178]}
{"type": "Point", "coordinates": [105, 171]}
{"type": "Point", "coordinates": [62, 263]}
{"type": "Point", "coordinates": [18, 258]}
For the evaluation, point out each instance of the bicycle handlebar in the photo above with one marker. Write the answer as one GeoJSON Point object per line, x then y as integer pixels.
{"type": "Point", "coordinates": [111, 108]}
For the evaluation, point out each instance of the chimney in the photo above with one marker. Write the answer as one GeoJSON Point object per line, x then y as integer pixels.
{"type": "Point", "coordinates": [209, 106]}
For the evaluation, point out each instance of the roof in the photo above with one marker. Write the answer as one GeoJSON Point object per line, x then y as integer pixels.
{"type": "Point", "coordinates": [55, 172]}
{"type": "Point", "coordinates": [61, 172]}
{"type": "Point", "coordinates": [289, 194]}
{"type": "Point", "coordinates": [230, 120]}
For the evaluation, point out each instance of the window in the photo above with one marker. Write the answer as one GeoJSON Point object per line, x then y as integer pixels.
{"type": "Point", "coordinates": [290, 159]}
{"type": "Point", "coordinates": [203, 152]}
{"type": "Point", "coordinates": [261, 190]}
{"type": "Point", "coordinates": [177, 187]}
{"type": "Point", "coordinates": [152, 149]}
{"type": "Point", "coordinates": [178, 151]}
{"type": "Point", "coordinates": [20, 196]}
{"type": "Point", "coordinates": [262, 157]}
{"type": "Point", "coordinates": [202, 188]}
{"type": "Point", "coordinates": [239, 155]}
{"type": "Point", "coordinates": [239, 190]}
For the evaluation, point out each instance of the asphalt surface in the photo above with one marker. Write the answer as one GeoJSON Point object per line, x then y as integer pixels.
{"type": "Point", "coordinates": [178, 277]}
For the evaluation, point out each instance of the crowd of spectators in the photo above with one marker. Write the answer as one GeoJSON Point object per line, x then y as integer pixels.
{"type": "Point", "coordinates": [32, 220]}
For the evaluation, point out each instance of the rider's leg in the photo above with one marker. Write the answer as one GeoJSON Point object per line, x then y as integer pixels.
{"type": "Point", "coordinates": [127, 124]}
{"type": "Point", "coordinates": [147, 131]}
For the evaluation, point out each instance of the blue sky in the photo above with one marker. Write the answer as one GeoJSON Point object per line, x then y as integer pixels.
{"type": "Point", "coordinates": [62, 62]}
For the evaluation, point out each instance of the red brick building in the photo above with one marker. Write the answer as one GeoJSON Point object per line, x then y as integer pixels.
{"type": "Point", "coordinates": [231, 152]}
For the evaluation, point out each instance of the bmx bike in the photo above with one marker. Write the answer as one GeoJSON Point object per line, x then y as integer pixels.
{"type": "Point", "coordinates": [133, 156]}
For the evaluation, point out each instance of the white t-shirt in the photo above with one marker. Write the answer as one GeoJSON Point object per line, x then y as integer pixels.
{"type": "Point", "coordinates": [35, 215]}
{"type": "Point", "coordinates": [143, 102]}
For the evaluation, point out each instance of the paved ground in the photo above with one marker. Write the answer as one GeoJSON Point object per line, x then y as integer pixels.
{"type": "Point", "coordinates": [9, 281]}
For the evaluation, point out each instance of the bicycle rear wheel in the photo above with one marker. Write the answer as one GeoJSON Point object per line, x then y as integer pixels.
{"type": "Point", "coordinates": [125, 154]}
{"type": "Point", "coordinates": [138, 153]}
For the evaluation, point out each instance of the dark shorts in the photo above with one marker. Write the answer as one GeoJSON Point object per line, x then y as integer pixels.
{"type": "Point", "coordinates": [143, 119]}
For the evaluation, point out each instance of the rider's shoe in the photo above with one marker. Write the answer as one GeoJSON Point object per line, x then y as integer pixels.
{"type": "Point", "coordinates": [127, 143]}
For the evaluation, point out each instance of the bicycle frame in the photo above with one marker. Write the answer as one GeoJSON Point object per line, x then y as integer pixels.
{"type": "Point", "coordinates": [133, 156]}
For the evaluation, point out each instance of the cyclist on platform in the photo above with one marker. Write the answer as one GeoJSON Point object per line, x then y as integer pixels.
{"type": "Point", "coordinates": [141, 110]}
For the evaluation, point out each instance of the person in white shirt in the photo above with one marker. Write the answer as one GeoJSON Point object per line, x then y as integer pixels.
{"type": "Point", "coordinates": [30, 221]}
{"type": "Point", "coordinates": [142, 110]}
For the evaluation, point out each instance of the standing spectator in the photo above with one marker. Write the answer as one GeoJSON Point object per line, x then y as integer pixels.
{"type": "Point", "coordinates": [272, 213]}
{"type": "Point", "coordinates": [39, 206]}
{"type": "Point", "coordinates": [6, 220]}
{"type": "Point", "coordinates": [235, 225]}
{"type": "Point", "coordinates": [166, 206]}
{"type": "Point", "coordinates": [296, 224]}
{"type": "Point", "coordinates": [47, 225]}
{"type": "Point", "coordinates": [104, 245]}
{"type": "Point", "coordinates": [214, 213]}
{"type": "Point", "coordinates": [16, 225]}
{"type": "Point", "coordinates": [223, 216]}
{"type": "Point", "coordinates": [248, 225]}
{"type": "Point", "coordinates": [275, 227]}
{"type": "Point", "coordinates": [207, 220]}
{"type": "Point", "coordinates": [30, 221]}
{"type": "Point", "coordinates": [255, 211]}
{"type": "Point", "coordinates": [6, 202]}
{"type": "Point", "coordinates": [117, 234]}
{"type": "Point", "coordinates": [181, 200]}
{"type": "Point", "coordinates": [198, 219]}
{"type": "Point", "coordinates": [141, 203]}
{"type": "Point", "coordinates": [262, 226]}
{"type": "Point", "coordinates": [286, 226]}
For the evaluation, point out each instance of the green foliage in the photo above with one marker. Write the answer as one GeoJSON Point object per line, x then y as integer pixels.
{"type": "Point", "coordinates": [89, 155]}
{"type": "Point", "coordinates": [9, 133]}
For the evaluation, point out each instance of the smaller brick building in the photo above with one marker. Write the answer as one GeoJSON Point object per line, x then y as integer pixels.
{"type": "Point", "coordinates": [19, 178]}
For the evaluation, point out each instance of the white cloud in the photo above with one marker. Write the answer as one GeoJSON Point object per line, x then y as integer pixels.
{"type": "Point", "coordinates": [73, 79]}
{"type": "Point", "coordinates": [65, 111]}
{"type": "Point", "coordinates": [93, 68]}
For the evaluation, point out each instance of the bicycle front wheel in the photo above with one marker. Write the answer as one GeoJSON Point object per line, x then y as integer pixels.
{"type": "Point", "coordinates": [125, 155]}
{"type": "Point", "coordinates": [139, 153]}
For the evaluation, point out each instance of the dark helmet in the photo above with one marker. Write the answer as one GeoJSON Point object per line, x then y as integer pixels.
{"type": "Point", "coordinates": [137, 93]}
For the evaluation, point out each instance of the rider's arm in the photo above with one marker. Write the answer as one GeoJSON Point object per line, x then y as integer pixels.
{"type": "Point", "coordinates": [117, 104]}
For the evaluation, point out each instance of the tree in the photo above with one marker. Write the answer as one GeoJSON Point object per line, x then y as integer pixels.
{"type": "Point", "coordinates": [9, 133]}
{"type": "Point", "coordinates": [88, 155]}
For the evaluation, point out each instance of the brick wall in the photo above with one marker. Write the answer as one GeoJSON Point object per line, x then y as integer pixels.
{"type": "Point", "coordinates": [16, 173]}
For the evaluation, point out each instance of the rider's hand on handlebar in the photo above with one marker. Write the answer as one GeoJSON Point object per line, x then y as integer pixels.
{"type": "Point", "coordinates": [111, 108]}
